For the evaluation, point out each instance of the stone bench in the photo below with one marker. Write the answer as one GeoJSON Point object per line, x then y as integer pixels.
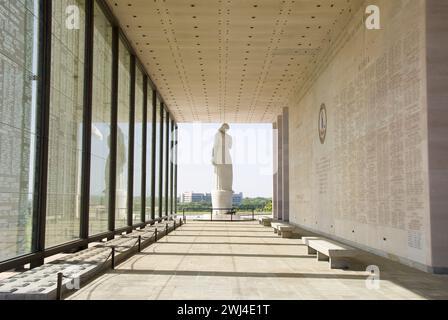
{"type": "Point", "coordinates": [41, 283]}
{"type": "Point", "coordinates": [285, 231]}
{"type": "Point", "coordinates": [276, 225]}
{"type": "Point", "coordinates": [335, 253]}
{"type": "Point", "coordinates": [265, 221]}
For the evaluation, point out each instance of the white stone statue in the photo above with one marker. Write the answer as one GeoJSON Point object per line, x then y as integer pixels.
{"type": "Point", "coordinates": [222, 161]}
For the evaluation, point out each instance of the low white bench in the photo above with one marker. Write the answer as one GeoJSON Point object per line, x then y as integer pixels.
{"type": "Point", "coordinates": [265, 221]}
{"type": "Point", "coordinates": [277, 225]}
{"type": "Point", "coordinates": [327, 250]}
{"type": "Point", "coordinates": [305, 241]}
{"type": "Point", "coordinates": [286, 231]}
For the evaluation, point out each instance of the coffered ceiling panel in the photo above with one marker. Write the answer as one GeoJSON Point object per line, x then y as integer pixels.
{"type": "Point", "coordinates": [230, 60]}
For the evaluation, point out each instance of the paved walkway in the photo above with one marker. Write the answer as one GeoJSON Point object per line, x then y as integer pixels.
{"type": "Point", "coordinates": [243, 260]}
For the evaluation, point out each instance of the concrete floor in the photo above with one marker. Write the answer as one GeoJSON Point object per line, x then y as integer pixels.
{"type": "Point", "coordinates": [243, 260]}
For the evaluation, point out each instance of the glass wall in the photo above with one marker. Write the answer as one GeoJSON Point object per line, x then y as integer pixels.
{"type": "Point", "coordinates": [161, 150]}
{"type": "Point", "coordinates": [101, 123]}
{"type": "Point", "coordinates": [65, 126]}
{"type": "Point", "coordinates": [69, 72]}
{"type": "Point", "coordinates": [18, 109]}
{"type": "Point", "coordinates": [176, 148]}
{"type": "Point", "coordinates": [149, 151]}
{"type": "Point", "coordinates": [124, 92]}
{"type": "Point", "coordinates": [166, 161]}
{"type": "Point", "coordinates": [138, 147]}
{"type": "Point", "coordinates": [170, 167]}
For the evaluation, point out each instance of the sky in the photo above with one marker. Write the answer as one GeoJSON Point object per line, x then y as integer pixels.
{"type": "Point", "coordinates": [252, 156]}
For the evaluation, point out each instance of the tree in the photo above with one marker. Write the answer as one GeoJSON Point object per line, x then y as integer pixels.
{"type": "Point", "coordinates": [268, 207]}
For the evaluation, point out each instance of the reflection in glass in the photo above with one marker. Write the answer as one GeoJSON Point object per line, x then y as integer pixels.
{"type": "Point", "coordinates": [65, 126]}
{"type": "Point", "coordinates": [138, 147]}
{"type": "Point", "coordinates": [124, 92]}
{"type": "Point", "coordinates": [18, 95]}
{"type": "Point", "coordinates": [149, 155]}
{"type": "Point", "coordinates": [101, 121]}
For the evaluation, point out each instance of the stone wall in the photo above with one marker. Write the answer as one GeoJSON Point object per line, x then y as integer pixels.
{"type": "Point", "coordinates": [367, 184]}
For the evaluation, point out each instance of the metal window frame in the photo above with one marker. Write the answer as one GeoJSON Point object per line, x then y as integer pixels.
{"type": "Point", "coordinates": [167, 161]}
{"type": "Point", "coordinates": [113, 129]}
{"type": "Point", "coordinates": [144, 146]}
{"type": "Point", "coordinates": [131, 146]}
{"type": "Point", "coordinates": [87, 120]}
{"type": "Point", "coordinates": [39, 252]}
{"type": "Point", "coordinates": [176, 167]}
{"type": "Point", "coordinates": [154, 153]}
{"type": "Point", "coordinates": [42, 127]}
{"type": "Point", "coordinates": [161, 158]}
{"type": "Point", "coordinates": [172, 150]}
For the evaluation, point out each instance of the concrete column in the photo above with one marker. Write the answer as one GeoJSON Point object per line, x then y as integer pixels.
{"type": "Point", "coordinates": [280, 168]}
{"type": "Point", "coordinates": [437, 82]}
{"type": "Point", "coordinates": [285, 165]}
{"type": "Point", "coordinates": [275, 173]}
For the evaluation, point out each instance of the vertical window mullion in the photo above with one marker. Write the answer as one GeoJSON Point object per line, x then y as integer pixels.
{"type": "Point", "coordinates": [87, 119]}
{"type": "Point", "coordinates": [161, 147]}
{"type": "Point", "coordinates": [172, 144]}
{"type": "Point", "coordinates": [130, 199]}
{"type": "Point", "coordinates": [145, 147]}
{"type": "Point", "coordinates": [176, 166]}
{"type": "Point", "coordinates": [167, 161]}
{"type": "Point", "coordinates": [113, 134]}
{"type": "Point", "coordinates": [154, 153]}
{"type": "Point", "coordinates": [39, 215]}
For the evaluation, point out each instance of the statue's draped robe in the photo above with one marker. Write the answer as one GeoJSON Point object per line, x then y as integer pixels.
{"type": "Point", "coordinates": [223, 162]}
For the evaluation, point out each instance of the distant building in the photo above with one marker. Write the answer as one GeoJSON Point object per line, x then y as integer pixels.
{"type": "Point", "coordinates": [194, 197]}
{"type": "Point", "coordinates": [191, 197]}
{"type": "Point", "coordinates": [208, 197]}
{"type": "Point", "coordinates": [237, 199]}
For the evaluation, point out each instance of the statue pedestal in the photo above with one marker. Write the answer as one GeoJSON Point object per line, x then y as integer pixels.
{"type": "Point", "coordinates": [222, 199]}
{"type": "Point", "coordinates": [121, 203]}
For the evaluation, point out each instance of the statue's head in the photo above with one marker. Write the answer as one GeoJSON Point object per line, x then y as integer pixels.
{"type": "Point", "coordinates": [225, 127]}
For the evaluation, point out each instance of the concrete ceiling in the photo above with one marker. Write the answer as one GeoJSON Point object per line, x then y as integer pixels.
{"type": "Point", "coordinates": [232, 61]}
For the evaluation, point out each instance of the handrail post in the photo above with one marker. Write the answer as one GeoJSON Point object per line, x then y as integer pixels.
{"type": "Point", "coordinates": [139, 244]}
{"type": "Point", "coordinates": [59, 287]}
{"type": "Point", "coordinates": [231, 215]}
{"type": "Point", "coordinates": [155, 235]}
{"type": "Point", "coordinates": [113, 258]}
{"type": "Point", "coordinates": [166, 229]}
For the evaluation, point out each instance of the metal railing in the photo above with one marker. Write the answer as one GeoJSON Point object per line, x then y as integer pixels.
{"type": "Point", "coordinates": [111, 256]}
{"type": "Point", "coordinates": [248, 214]}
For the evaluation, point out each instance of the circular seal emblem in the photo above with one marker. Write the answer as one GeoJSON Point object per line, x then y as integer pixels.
{"type": "Point", "coordinates": [322, 123]}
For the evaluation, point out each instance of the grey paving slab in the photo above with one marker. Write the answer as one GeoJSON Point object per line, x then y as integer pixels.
{"type": "Point", "coordinates": [214, 260]}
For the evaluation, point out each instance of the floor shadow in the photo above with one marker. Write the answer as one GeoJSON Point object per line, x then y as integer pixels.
{"type": "Point", "coordinates": [222, 230]}
{"type": "Point", "coordinates": [227, 255]}
{"type": "Point", "coordinates": [234, 243]}
{"type": "Point", "coordinates": [240, 274]}
{"type": "Point", "coordinates": [220, 236]}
